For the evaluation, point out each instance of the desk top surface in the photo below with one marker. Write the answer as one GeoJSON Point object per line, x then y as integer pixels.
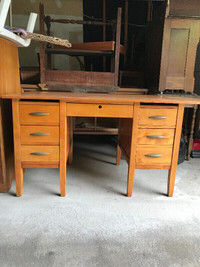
{"type": "Point", "coordinates": [113, 98]}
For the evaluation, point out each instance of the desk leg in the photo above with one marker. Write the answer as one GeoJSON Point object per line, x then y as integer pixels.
{"type": "Point", "coordinates": [63, 148]}
{"type": "Point", "coordinates": [17, 148]}
{"type": "Point", "coordinates": [175, 152]}
{"type": "Point", "coordinates": [132, 158]}
{"type": "Point", "coordinates": [119, 152]}
{"type": "Point", "coordinates": [71, 140]}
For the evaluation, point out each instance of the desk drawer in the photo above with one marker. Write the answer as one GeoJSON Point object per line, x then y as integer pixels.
{"type": "Point", "coordinates": [155, 136]}
{"type": "Point", "coordinates": [153, 155]}
{"type": "Point", "coordinates": [158, 116]}
{"type": "Point", "coordinates": [99, 110]}
{"type": "Point", "coordinates": [39, 135]}
{"type": "Point", "coordinates": [40, 153]}
{"type": "Point", "coordinates": [39, 114]}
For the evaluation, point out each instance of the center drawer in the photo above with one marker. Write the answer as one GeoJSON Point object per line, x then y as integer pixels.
{"type": "Point", "coordinates": [99, 110]}
{"type": "Point", "coordinates": [39, 135]}
{"type": "Point", "coordinates": [40, 153]}
{"type": "Point", "coordinates": [39, 114]}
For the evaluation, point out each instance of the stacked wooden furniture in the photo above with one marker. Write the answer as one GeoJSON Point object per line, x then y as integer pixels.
{"type": "Point", "coordinates": [86, 81]}
{"type": "Point", "coordinates": [171, 47]}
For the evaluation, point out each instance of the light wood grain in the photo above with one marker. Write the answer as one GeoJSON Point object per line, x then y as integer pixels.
{"type": "Point", "coordinates": [143, 151]}
{"type": "Point", "coordinates": [17, 148]}
{"type": "Point", "coordinates": [52, 137]}
{"type": "Point", "coordinates": [99, 110]}
{"type": "Point", "coordinates": [27, 119]}
{"type": "Point", "coordinates": [9, 66]}
{"type": "Point", "coordinates": [64, 141]}
{"type": "Point", "coordinates": [148, 136]}
{"type": "Point", "coordinates": [112, 98]}
{"type": "Point", "coordinates": [169, 113]}
{"type": "Point", "coordinates": [132, 159]}
{"type": "Point", "coordinates": [52, 156]}
{"type": "Point", "coordinates": [175, 153]}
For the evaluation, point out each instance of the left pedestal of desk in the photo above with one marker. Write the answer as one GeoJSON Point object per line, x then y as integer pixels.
{"type": "Point", "coordinates": [37, 138]}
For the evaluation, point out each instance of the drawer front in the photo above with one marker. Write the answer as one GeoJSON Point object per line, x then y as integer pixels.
{"type": "Point", "coordinates": [155, 136]}
{"type": "Point", "coordinates": [40, 153]}
{"type": "Point", "coordinates": [165, 117]}
{"type": "Point", "coordinates": [100, 110]}
{"type": "Point", "coordinates": [39, 114]}
{"type": "Point", "coordinates": [39, 135]}
{"type": "Point", "coordinates": [153, 155]}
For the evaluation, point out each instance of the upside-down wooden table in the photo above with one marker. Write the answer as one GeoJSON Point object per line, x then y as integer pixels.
{"type": "Point", "coordinates": [149, 130]}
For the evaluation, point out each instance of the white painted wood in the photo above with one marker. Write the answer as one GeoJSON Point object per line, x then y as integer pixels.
{"type": "Point", "coordinates": [4, 8]}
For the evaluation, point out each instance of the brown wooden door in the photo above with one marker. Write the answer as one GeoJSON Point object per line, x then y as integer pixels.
{"type": "Point", "coordinates": [180, 40]}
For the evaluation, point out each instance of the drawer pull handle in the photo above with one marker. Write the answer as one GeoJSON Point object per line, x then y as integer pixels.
{"type": "Point", "coordinates": [39, 114]}
{"type": "Point", "coordinates": [156, 136]}
{"type": "Point", "coordinates": [157, 117]}
{"type": "Point", "coordinates": [40, 153]}
{"type": "Point", "coordinates": [100, 106]}
{"type": "Point", "coordinates": [154, 155]}
{"type": "Point", "coordinates": [39, 134]}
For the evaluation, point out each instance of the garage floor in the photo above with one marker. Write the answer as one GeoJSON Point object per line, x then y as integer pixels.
{"type": "Point", "coordinates": [95, 224]}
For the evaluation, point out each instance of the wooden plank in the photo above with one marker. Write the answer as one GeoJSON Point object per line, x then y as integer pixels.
{"type": "Point", "coordinates": [42, 50]}
{"type": "Point", "coordinates": [63, 147]}
{"type": "Point", "coordinates": [175, 152]}
{"type": "Point", "coordinates": [94, 46]}
{"type": "Point", "coordinates": [113, 98]}
{"type": "Point", "coordinates": [9, 66]}
{"type": "Point", "coordinates": [79, 77]}
{"type": "Point", "coordinates": [17, 148]}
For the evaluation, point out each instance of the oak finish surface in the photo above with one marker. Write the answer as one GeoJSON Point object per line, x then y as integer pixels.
{"type": "Point", "coordinates": [144, 142]}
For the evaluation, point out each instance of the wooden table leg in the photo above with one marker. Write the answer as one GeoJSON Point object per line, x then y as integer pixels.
{"type": "Point", "coordinates": [175, 152]}
{"type": "Point", "coordinates": [63, 147]}
{"type": "Point", "coordinates": [119, 152]}
{"type": "Point", "coordinates": [17, 148]}
{"type": "Point", "coordinates": [71, 140]}
{"type": "Point", "coordinates": [132, 158]}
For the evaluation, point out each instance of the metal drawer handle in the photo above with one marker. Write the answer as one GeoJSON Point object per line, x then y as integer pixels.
{"type": "Point", "coordinates": [40, 153]}
{"type": "Point", "coordinates": [155, 136]}
{"type": "Point", "coordinates": [39, 114]}
{"type": "Point", "coordinates": [154, 155]}
{"type": "Point", "coordinates": [39, 134]}
{"type": "Point", "coordinates": [157, 117]}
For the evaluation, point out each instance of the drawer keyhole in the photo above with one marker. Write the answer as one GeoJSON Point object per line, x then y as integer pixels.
{"type": "Point", "coordinates": [100, 106]}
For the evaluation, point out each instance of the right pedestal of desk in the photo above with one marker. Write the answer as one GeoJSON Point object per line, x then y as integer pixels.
{"type": "Point", "coordinates": [151, 140]}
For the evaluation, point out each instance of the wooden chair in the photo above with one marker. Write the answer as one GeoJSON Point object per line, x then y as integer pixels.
{"type": "Point", "coordinates": [84, 81]}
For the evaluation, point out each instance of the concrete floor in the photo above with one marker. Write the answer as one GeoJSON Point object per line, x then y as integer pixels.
{"type": "Point", "coordinates": [95, 224]}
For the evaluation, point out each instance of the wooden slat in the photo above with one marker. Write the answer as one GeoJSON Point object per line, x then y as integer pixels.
{"type": "Point", "coordinates": [94, 46]}
{"type": "Point", "coordinates": [79, 77]}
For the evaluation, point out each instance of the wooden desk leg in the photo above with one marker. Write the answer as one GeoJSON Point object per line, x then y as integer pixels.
{"type": "Point", "coordinates": [132, 158]}
{"type": "Point", "coordinates": [175, 152]}
{"type": "Point", "coordinates": [63, 148]}
{"type": "Point", "coordinates": [17, 148]}
{"type": "Point", "coordinates": [71, 140]}
{"type": "Point", "coordinates": [119, 151]}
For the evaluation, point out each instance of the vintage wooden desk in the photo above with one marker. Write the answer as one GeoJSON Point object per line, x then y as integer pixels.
{"type": "Point", "coordinates": [149, 130]}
